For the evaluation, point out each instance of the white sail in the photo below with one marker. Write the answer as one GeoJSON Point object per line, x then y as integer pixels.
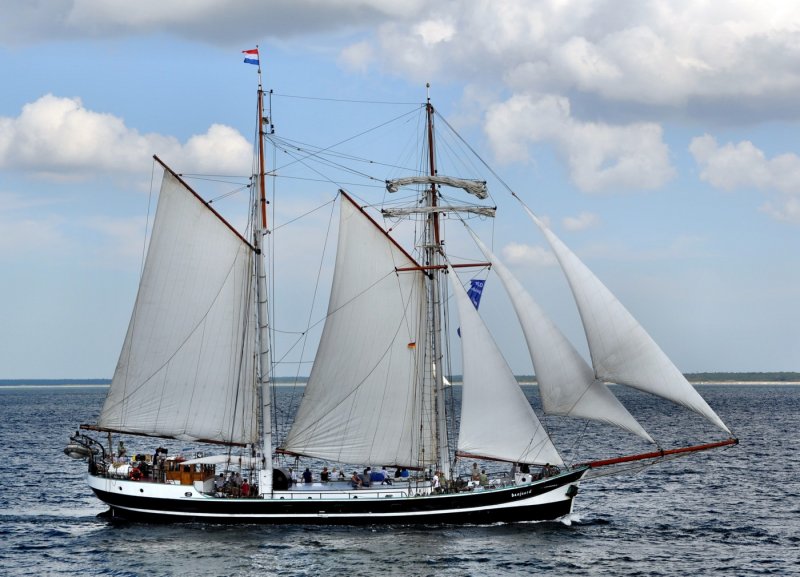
{"type": "Point", "coordinates": [363, 401]}
{"type": "Point", "coordinates": [567, 384]}
{"type": "Point", "coordinates": [497, 421]}
{"type": "Point", "coordinates": [475, 187]}
{"type": "Point", "coordinates": [622, 351]}
{"type": "Point", "coordinates": [186, 367]}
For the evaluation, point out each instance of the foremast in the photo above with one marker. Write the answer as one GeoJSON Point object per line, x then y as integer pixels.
{"type": "Point", "coordinates": [260, 231]}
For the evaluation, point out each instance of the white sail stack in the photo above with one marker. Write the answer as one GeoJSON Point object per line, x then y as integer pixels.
{"type": "Point", "coordinates": [186, 367]}
{"type": "Point", "coordinates": [567, 385]}
{"type": "Point", "coordinates": [622, 351]}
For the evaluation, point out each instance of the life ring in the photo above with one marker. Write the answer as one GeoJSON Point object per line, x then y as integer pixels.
{"type": "Point", "coordinates": [135, 474]}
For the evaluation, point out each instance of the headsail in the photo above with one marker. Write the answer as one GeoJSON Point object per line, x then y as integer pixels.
{"type": "Point", "coordinates": [363, 402]}
{"type": "Point", "coordinates": [186, 367]}
{"type": "Point", "coordinates": [622, 351]}
{"type": "Point", "coordinates": [567, 384]}
{"type": "Point", "coordinates": [497, 421]}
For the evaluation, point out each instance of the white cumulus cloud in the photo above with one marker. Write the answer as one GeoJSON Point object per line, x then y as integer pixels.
{"type": "Point", "coordinates": [743, 165]}
{"type": "Point", "coordinates": [601, 157]}
{"type": "Point", "coordinates": [356, 57]}
{"type": "Point", "coordinates": [220, 22]}
{"type": "Point", "coordinates": [581, 222]}
{"type": "Point", "coordinates": [435, 31]}
{"type": "Point", "coordinates": [59, 138]}
{"type": "Point", "coordinates": [727, 58]}
{"type": "Point", "coordinates": [527, 255]}
{"type": "Point", "coordinates": [685, 55]}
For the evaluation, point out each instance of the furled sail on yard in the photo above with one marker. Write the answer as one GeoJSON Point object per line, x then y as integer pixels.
{"type": "Point", "coordinates": [497, 421]}
{"type": "Point", "coordinates": [186, 366]}
{"type": "Point", "coordinates": [364, 401]}
{"type": "Point", "coordinates": [567, 385]}
{"type": "Point", "coordinates": [622, 351]}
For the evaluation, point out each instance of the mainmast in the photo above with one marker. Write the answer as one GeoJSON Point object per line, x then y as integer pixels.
{"type": "Point", "coordinates": [259, 232]}
{"type": "Point", "coordinates": [434, 267]}
{"type": "Point", "coordinates": [432, 253]}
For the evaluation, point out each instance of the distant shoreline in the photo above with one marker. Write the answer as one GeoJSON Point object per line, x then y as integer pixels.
{"type": "Point", "coordinates": [752, 378]}
{"type": "Point", "coordinates": [52, 386]}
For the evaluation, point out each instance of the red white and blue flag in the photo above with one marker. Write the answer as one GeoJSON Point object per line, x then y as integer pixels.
{"type": "Point", "coordinates": [251, 56]}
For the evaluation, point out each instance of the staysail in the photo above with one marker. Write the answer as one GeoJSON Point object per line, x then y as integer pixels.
{"type": "Point", "coordinates": [621, 350]}
{"type": "Point", "coordinates": [567, 385]}
{"type": "Point", "coordinates": [497, 421]}
{"type": "Point", "coordinates": [364, 402]}
{"type": "Point", "coordinates": [186, 369]}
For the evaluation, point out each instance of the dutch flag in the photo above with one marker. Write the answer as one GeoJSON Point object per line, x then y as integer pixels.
{"type": "Point", "coordinates": [251, 56]}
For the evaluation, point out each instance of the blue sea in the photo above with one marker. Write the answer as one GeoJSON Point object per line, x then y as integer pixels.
{"type": "Point", "coordinates": [731, 512]}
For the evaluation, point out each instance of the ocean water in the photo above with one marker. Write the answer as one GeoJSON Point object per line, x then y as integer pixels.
{"type": "Point", "coordinates": [731, 512]}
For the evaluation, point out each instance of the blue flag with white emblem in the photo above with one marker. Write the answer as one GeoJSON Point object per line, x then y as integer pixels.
{"type": "Point", "coordinates": [474, 293]}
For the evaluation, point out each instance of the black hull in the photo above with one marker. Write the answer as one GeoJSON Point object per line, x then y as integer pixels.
{"type": "Point", "coordinates": [512, 504]}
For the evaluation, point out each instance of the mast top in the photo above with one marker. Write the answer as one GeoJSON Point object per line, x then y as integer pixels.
{"type": "Point", "coordinates": [258, 54]}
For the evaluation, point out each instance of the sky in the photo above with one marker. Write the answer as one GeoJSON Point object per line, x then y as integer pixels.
{"type": "Point", "coordinates": [657, 138]}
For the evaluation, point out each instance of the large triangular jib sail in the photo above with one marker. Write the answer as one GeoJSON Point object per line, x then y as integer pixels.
{"type": "Point", "coordinates": [497, 421]}
{"type": "Point", "coordinates": [364, 401]}
{"type": "Point", "coordinates": [567, 385]}
{"type": "Point", "coordinates": [186, 369]}
{"type": "Point", "coordinates": [621, 350]}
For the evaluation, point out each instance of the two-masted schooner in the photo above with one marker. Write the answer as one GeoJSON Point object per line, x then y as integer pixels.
{"type": "Point", "coordinates": [196, 366]}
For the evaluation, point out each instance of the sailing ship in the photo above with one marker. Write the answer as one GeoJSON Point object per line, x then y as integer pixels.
{"type": "Point", "coordinates": [197, 367]}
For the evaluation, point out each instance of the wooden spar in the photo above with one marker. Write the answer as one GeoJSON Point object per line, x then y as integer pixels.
{"type": "Point", "coordinates": [261, 185]}
{"type": "Point", "coordinates": [658, 454]}
{"type": "Point", "coordinates": [432, 251]}
{"type": "Point", "coordinates": [380, 228]}
{"type": "Point", "coordinates": [463, 455]}
{"type": "Point", "coordinates": [206, 204]}
{"type": "Point", "coordinates": [138, 434]}
{"type": "Point", "coordinates": [443, 266]}
{"type": "Point", "coordinates": [432, 167]}
{"type": "Point", "coordinates": [262, 314]}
